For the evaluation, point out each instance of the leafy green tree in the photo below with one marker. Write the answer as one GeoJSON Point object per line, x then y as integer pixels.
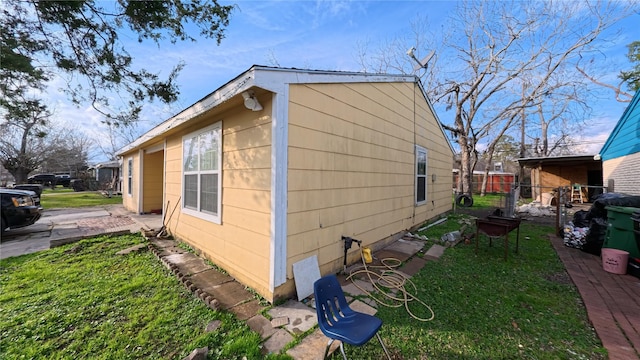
{"type": "Point", "coordinates": [632, 77]}
{"type": "Point", "coordinates": [80, 39]}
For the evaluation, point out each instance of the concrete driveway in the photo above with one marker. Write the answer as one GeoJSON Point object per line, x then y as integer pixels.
{"type": "Point", "coordinates": [61, 226]}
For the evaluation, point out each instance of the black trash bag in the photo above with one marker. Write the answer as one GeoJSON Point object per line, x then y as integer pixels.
{"type": "Point", "coordinates": [580, 219]}
{"type": "Point", "coordinates": [598, 208]}
{"type": "Point", "coordinates": [595, 236]}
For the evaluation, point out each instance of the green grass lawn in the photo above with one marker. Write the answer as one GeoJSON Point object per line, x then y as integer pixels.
{"type": "Point", "coordinates": [82, 301]}
{"type": "Point", "coordinates": [67, 198]}
{"type": "Point", "coordinates": [488, 308]}
{"type": "Point", "coordinates": [489, 201]}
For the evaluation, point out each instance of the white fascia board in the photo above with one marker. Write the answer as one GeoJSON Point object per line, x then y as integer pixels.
{"type": "Point", "coordinates": [426, 98]}
{"type": "Point", "coordinates": [266, 77]}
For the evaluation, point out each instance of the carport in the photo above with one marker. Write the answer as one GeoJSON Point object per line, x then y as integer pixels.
{"type": "Point", "coordinates": [548, 173]}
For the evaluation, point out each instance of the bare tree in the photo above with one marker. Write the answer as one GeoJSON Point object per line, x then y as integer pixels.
{"type": "Point", "coordinates": [68, 151]}
{"type": "Point", "coordinates": [631, 77]}
{"type": "Point", "coordinates": [500, 59]}
{"type": "Point", "coordinates": [117, 136]}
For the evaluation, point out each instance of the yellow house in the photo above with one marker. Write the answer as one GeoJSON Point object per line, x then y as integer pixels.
{"type": "Point", "coordinates": [278, 164]}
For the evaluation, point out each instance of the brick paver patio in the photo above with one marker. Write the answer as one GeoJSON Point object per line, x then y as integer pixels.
{"type": "Point", "coordinates": [612, 301]}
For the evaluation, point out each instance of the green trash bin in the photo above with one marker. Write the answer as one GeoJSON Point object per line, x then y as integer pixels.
{"type": "Point", "coordinates": [620, 230]}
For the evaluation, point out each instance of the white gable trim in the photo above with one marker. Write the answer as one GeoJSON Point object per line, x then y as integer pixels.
{"type": "Point", "coordinates": [279, 161]}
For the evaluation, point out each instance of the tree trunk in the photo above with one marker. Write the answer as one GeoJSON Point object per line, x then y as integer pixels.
{"type": "Point", "coordinates": [466, 167]}
{"type": "Point", "coordinates": [485, 175]}
{"type": "Point", "coordinates": [20, 175]}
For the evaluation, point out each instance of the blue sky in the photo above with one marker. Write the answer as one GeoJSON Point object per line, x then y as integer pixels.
{"type": "Point", "coordinates": [317, 35]}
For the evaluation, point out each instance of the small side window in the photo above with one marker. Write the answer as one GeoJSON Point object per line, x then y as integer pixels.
{"type": "Point", "coordinates": [130, 176]}
{"type": "Point", "coordinates": [421, 175]}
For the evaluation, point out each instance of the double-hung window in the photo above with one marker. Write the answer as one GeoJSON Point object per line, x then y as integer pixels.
{"type": "Point", "coordinates": [130, 176]}
{"type": "Point", "coordinates": [421, 175]}
{"type": "Point", "coordinates": [201, 164]}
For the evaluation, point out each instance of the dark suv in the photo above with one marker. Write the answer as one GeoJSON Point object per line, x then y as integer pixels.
{"type": "Point", "coordinates": [44, 179]}
{"type": "Point", "coordinates": [19, 208]}
{"type": "Point", "coordinates": [36, 188]}
{"type": "Point", "coordinates": [63, 179]}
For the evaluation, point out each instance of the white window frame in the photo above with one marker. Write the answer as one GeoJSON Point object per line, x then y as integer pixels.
{"type": "Point", "coordinates": [418, 151]}
{"type": "Point", "coordinates": [130, 176]}
{"type": "Point", "coordinates": [215, 218]}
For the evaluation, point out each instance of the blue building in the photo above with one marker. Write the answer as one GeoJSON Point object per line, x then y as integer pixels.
{"type": "Point", "coordinates": [620, 154]}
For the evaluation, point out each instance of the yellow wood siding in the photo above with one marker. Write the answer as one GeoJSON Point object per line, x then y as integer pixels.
{"type": "Point", "coordinates": [352, 166]}
{"type": "Point", "coordinates": [152, 181]}
{"type": "Point", "coordinates": [241, 243]}
{"type": "Point", "coordinates": [350, 171]}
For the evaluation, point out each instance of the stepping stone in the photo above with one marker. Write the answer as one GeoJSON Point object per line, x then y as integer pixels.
{"type": "Point", "coordinates": [198, 354]}
{"type": "Point", "coordinates": [230, 294]}
{"type": "Point", "coordinates": [261, 325]}
{"type": "Point", "coordinates": [276, 342]}
{"type": "Point", "coordinates": [434, 252]}
{"type": "Point", "coordinates": [359, 306]}
{"type": "Point", "coordinates": [188, 263]}
{"type": "Point", "coordinates": [301, 317]}
{"type": "Point", "coordinates": [163, 243]}
{"type": "Point", "coordinates": [370, 302]}
{"type": "Point", "coordinates": [246, 310]}
{"type": "Point", "coordinates": [170, 250]}
{"type": "Point", "coordinates": [312, 347]}
{"type": "Point", "coordinates": [408, 247]}
{"type": "Point", "coordinates": [209, 279]}
{"type": "Point", "coordinates": [354, 290]}
{"type": "Point", "coordinates": [385, 253]}
{"type": "Point", "coordinates": [412, 266]}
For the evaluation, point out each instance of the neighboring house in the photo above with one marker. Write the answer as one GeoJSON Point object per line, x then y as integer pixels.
{"type": "Point", "coordinates": [620, 154]}
{"type": "Point", "coordinates": [278, 164]}
{"type": "Point", "coordinates": [107, 175]}
{"type": "Point", "coordinates": [549, 173]}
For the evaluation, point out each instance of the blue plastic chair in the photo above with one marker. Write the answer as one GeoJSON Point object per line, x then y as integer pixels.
{"type": "Point", "coordinates": [336, 319]}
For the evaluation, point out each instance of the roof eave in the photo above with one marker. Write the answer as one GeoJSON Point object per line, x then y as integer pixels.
{"type": "Point", "coordinates": [271, 79]}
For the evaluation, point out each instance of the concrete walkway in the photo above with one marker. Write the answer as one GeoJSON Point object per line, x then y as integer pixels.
{"type": "Point", "coordinates": [61, 226]}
